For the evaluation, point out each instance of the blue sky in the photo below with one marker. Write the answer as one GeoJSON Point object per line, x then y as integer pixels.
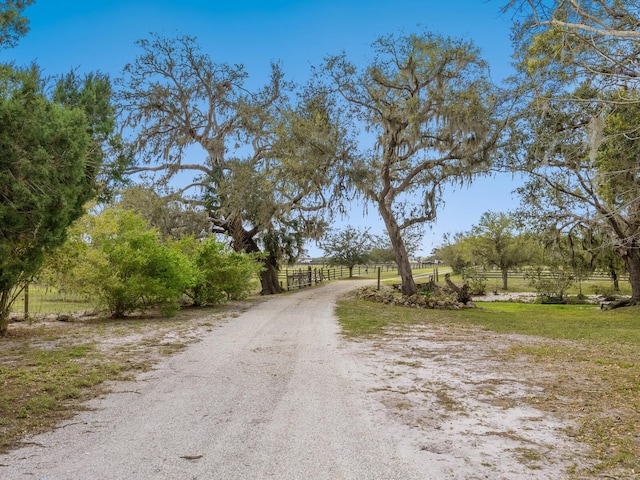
{"type": "Point", "coordinates": [92, 35]}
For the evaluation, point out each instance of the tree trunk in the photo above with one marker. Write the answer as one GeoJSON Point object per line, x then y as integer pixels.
{"type": "Point", "coordinates": [269, 279]}
{"type": "Point", "coordinates": [632, 260]}
{"type": "Point", "coordinates": [408, 287]}
{"type": "Point", "coordinates": [4, 311]}
{"type": "Point", "coordinates": [504, 279]}
{"type": "Point", "coordinates": [269, 276]}
{"type": "Point", "coordinates": [244, 242]}
{"type": "Point", "coordinates": [464, 295]}
{"type": "Point", "coordinates": [614, 277]}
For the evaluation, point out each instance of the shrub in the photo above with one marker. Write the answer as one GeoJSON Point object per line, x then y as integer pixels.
{"type": "Point", "coordinates": [117, 262]}
{"type": "Point", "coordinates": [551, 284]}
{"type": "Point", "coordinates": [223, 274]}
{"type": "Point", "coordinates": [477, 281]}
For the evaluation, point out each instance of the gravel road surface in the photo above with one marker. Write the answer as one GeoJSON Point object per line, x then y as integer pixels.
{"type": "Point", "coordinates": [270, 394]}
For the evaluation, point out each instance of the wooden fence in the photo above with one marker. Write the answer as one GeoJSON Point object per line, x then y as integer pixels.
{"type": "Point", "coordinates": [40, 300]}
{"type": "Point", "coordinates": [305, 277]}
{"type": "Point", "coordinates": [595, 276]}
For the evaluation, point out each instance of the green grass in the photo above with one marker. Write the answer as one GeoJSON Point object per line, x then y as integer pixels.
{"type": "Point", "coordinates": [569, 322]}
{"type": "Point", "coordinates": [40, 385]}
{"type": "Point", "coordinates": [359, 317]}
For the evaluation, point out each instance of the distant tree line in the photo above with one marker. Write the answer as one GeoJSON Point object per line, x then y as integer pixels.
{"type": "Point", "coordinates": [551, 260]}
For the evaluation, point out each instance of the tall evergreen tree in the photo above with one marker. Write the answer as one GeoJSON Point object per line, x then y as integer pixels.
{"type": "Point", "coordinates": [50, 155]}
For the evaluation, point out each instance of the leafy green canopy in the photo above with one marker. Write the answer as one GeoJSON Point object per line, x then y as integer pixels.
{"type": "Point", "coordinates": [434, 117]}
{"type": "Point", "coordinates": [267, 163]}
{"type": "Point", "coordinates": [349, 247]}
{"type": "Point", "coordinates": [576, 134]}
{"type": "Point", "coordinates": [223, 274]}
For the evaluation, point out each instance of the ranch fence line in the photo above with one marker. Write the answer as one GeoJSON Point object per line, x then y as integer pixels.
{"type": "Point", "coordinates": [595, 276]}
{"type": "Point", "coordinates": [36, 300]}
{"type": "Point", "coordinates": [298, 277]}
{"type": "Point", "coordinates": [40, 300]}
{"type": "Point", "coordinates": [291, 278]}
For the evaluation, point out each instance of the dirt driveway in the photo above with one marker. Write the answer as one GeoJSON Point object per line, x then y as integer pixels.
{"type": "Point", "coordinates": [277, 393]}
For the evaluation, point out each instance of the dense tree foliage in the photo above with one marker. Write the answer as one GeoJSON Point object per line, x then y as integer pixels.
{"type": "Point", "coordinates": [575, 41]}
{"type": "Point", "coordinates": [430, 111]}
{"type": "Point", "coordinates": [115, 260]}
{"type": "Point", "coordinates": [578, 131]}
{"type": "Point", "coordinates": [258, 162]}
{"type": "Point", "coordinates": [494, 241]}
{"type": "Point", "coordinates": [455, 251]}
{"type": "Point", "coordinates": [50, 156]}
{"type": "Point", "coordinates": [222, 273]}
{"type": "Point", "coordinates": [171, 217]}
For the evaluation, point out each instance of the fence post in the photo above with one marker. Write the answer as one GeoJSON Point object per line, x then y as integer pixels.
{"type": "Point", "coordinates": [379, 269]}
{"type": "Point", "coordinates": [26, 302]}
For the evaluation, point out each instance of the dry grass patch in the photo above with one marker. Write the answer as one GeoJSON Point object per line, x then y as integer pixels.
{"type": "Point", "coordinates": [48, 369]}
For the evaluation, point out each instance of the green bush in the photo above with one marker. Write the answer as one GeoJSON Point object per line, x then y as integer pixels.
{"type": "Point", "coordinates": [477, 281]}
{"type": "Point", "coordinates": [223, 274]}
{"type": "Point", "coordinates": [119, 263]}
{"type": "Point", "coordinates": [551, 284]}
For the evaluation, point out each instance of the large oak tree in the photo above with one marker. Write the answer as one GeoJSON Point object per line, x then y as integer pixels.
{"type": "Point", "coordinates": [259, 161]}
{"type": "Point", "coordinates": [429, 110]}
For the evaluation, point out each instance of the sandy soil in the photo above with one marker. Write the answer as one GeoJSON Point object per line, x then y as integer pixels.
{"type": "Point", "coordinates": [464, 410]}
